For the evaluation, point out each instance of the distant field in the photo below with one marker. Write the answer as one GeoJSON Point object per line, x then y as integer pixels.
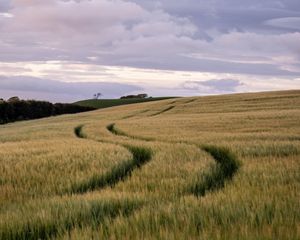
{"type": "Point", "coordinates": [105, 103]}
{"type": "Point", "coordinates": [216, 167]}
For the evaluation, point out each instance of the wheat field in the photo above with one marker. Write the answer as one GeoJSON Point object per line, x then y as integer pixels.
{"type": "Point", "coordinates": [216, 167]}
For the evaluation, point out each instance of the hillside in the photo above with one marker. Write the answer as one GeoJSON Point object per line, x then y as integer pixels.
{"type": "Point", "coordinates": [105, 103]}
{"type": "Point", "coordinates": [216, 167]}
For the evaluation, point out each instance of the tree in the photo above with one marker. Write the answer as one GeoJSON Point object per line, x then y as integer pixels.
{"type": "Point", "coordinates": [16, 109]}
{"type": "Point", "coordinates": [97, 95]}
{"type": "Point", "coordinates": [141, 96]}
{"type": "Point", "coordinates": [14, 99]}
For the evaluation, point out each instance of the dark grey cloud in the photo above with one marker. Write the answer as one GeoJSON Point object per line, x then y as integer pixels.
{"type": "Point", "coordinates": [229, 14]}
{"type": "Point", "coordinates": [208, 65]}
{"type": "Point", "coordinates": [213, 85]}
{"type": "Point", "coordinates": [36, 88]}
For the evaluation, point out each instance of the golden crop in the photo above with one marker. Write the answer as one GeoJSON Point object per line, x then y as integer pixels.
{"type": "Point", "coordinates": [219, 167]}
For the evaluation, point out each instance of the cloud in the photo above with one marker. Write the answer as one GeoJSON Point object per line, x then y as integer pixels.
{"type": "Point", "coordinates": [258, 38]}
{"type": "Point", "coordinates": [36, 88]}
{"type": "Point", "coordinates": [292, 23]}
{"type": "Point", "coordinates": [230, 14]}
{"type": "Point", "coordinates": [5, 5]}
{"type": "Point", "coordinates": [82, 31]}
{"type": "Point", "coordinates": [213, 85]}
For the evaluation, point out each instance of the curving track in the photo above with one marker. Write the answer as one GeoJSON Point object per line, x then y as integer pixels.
{"type": "Point", "coordinates": [226, 165]}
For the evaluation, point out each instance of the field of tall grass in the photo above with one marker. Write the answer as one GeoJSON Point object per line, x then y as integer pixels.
{"type": "Point", "coordinates": [217, 167]}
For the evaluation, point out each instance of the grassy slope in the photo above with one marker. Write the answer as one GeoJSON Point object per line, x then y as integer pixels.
{"type": "Point", "coordinates": [105, 103]}
{"type": "Point", "coordinates": [157, 200]}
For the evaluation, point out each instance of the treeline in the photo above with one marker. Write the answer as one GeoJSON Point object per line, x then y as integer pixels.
{"type": "Point", "coordinates": [141, 96]}
{"type": "Point", "coordinates": [11, 111]}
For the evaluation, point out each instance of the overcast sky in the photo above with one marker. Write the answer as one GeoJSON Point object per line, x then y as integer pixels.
{"type": "Point", "coordinates": [163, 47]}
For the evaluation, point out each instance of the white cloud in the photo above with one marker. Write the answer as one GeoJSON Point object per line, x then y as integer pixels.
{"type": "Point", "coordinates": [214, 85]}
{"type": "Point", "coordinates": [292, 23]}
{"type": "Point", "coordinates": [6, 15]}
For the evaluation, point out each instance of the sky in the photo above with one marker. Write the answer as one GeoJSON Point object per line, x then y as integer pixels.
{"type": "Point", "coordinates": [67, 50]}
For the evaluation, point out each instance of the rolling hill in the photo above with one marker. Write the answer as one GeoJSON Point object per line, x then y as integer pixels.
{"type": "Point", "coordinates": [216, 167]}
{"type": "Point", "coordinates": [105, 103]}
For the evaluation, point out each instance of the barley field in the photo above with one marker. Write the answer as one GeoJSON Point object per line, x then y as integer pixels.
{"type": "Point", "coordinates": [215, 167]}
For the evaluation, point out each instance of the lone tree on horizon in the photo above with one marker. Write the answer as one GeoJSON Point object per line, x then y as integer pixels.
{"type": "Point", "coordinates": [97, 95]}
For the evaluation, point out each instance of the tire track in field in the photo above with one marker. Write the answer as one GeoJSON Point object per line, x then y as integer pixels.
{"type": "Point", "coordinates": [162, 111]}
{"type": "Point", "coordinates": [87, 213]}
{"type": "Point", "coordinates": [226, 167]}
{"type": "Point", "coordinates": [135, 114]}
{"type": "Point", "coordinates": [224, 170]}
{"type": "Point", "coordinates": [210, 181]}
{"type": "Point", "coordinates": [190, 101]}
{"type": "Point", "coordinates": [121, 171]}
{"type": "Point", "coordinates": [112, 128]}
